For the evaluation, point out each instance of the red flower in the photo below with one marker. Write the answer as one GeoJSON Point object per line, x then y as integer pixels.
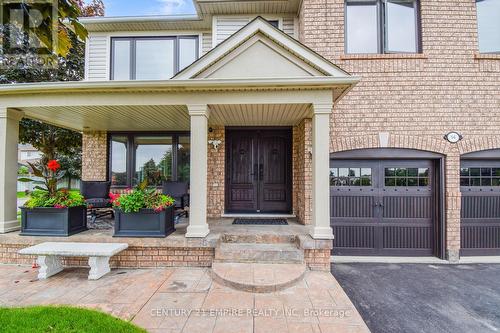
{"type": "Point", "coordinates": [53, 165]}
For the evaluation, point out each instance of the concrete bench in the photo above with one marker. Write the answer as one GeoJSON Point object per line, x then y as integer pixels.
{"type": "Point", "coordinates": [50, 253]}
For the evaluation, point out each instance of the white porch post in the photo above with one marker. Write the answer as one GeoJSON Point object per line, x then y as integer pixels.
{"type": "Point", "coordinates": [320, 228]}
{"type": "Point", "coordinates": [9, 133]}
{"type": "Point", "coordinates": [198, 226]}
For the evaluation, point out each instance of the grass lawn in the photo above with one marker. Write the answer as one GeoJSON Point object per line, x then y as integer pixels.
{"type": "Point", "coordinates": [61, 319]}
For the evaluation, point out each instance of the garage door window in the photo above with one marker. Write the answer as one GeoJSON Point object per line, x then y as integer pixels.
{"type": "Point", "coordinates": [480, 176]}
{"type": "Point", "coordinates": [406, 177]}
{"type": "Point", "coordinates": [350, 177]}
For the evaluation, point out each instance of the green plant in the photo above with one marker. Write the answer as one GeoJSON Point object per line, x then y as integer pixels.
{"type": "Point", "coordinates": [50, 196]}
{"type": "Point", "coordinates": [62, 199]}
{"type": "Point", "coordinates": [141, 197]}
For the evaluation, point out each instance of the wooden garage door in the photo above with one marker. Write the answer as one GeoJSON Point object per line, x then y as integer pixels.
{"type": "Point", "coordinates": [480, 215]}
{"type": "Point", "coordinates": [383, 207]}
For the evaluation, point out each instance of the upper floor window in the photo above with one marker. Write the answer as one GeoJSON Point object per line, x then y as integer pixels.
{"type": "Point", "coordinates": [151, 58]}
{"type": "Point", "coordinates": [382, 26]}
{"type": "Point", "coordinates": [488, 25]}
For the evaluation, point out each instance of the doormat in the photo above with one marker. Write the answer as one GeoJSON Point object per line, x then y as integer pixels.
{"type": "Point", "coordinates": [261, 221]}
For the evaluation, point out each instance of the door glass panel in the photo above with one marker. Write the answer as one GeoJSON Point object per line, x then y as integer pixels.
{"type": "Point", "coordinates": [350, 177]}
{"type": "Point", "coordinates": [406, 177]}
{"type": "Point", "coordinates": [153, 159]}
{"type": "Point", "coordinates": [479, 176]}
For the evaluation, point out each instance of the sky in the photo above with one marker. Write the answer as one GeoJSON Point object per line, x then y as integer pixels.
{"type": "Point", "coordinates": [148, 7]}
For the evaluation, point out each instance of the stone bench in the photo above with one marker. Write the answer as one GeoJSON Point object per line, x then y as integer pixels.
{"type": "Point", "coordinates": [50, 253]}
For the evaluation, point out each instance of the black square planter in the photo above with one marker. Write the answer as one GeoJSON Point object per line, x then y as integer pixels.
{"type": "Point", "coordinates": [145, 223]}
{"type": "Point", "coordinates": [48, 221]}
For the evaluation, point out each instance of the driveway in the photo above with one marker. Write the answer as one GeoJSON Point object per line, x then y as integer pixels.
{"type": "Point", "coordinates": [422, 297]}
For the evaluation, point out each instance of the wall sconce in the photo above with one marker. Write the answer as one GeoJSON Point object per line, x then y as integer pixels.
{"type": "Point", "coordinates": [215, 143]}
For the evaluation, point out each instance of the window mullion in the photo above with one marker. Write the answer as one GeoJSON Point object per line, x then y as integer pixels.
{"type": "Point", "coordinates": [382, 27]}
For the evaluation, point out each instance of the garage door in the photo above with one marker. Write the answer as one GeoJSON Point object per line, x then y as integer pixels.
{"type": "Point", "coordinates": [382, 207]}
{"type": "Point", "coordinates": [480, 217]}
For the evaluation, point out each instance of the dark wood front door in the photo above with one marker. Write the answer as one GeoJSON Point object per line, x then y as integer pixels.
{"type": "Point", "coordinates": [258, 171]}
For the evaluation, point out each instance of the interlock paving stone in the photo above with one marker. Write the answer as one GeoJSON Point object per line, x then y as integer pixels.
{"type": "Point", "coordinates": [175, 300]}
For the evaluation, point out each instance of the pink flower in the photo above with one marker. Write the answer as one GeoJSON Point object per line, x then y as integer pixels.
{"type": "Point", "coordinates": [59, 206]}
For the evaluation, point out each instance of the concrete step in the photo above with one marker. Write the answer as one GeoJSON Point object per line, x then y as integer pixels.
{"type": "Point", "coordinates": [258, 253]}
{"type": "Point", "coordinates": [258, 277]}
{"type": "Point", "coordinates": [258, 238]}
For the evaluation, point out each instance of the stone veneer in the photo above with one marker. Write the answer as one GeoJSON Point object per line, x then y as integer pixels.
{"type": "Point", "coordinates": [94, 155]}
{"type": "Point", "coordinates": [215, 172]}
{"type": "Point", "coordinates": [415, 98]}
{"type": "Point", "coordinates": [302, 171]}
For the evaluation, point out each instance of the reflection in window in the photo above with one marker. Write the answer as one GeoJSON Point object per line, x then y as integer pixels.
{"type": "Point", "coordinates": [157, 158]}
{"type": "Point", "coordinates": [381, 26]}
{"type": "Point", "coordinates": [350, 177]}
{"type": "Point", "coordinates": [118, 160]}
{"type": "Point", "coordinates": [361, 27]}
{"type": "Point", "coordinates": [153, 159]}
{"type": "Point", "coordinates": [488, 25]}
{"type": "Point", "coordinates": [406, 177]}
{"type": "Point", "coordinates": [154, 59]}
{"type": "Point", "coordinates": [477, 176]}
{"type": "Point", "coordinates": [183, 157]}
{"type": "Point", "coordinates": [400, 26]}
{"type": "Point", "coordinates": [151, 58]}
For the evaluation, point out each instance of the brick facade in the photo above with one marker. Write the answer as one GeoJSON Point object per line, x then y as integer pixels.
{"type": "Point", "coordinates": [416, 98]}
{"type": "Point", "coordinates": [94, 156]}
{"type": "Point", "coordinates": [133, 257]}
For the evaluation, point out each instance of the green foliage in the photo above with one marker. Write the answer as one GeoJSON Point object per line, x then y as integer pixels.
{"type": "Point", "coordinates": [61, 319]}
{"type": "Point", "coordinates": [141, 197]}
{"type": "Point", "coordinates": [62, 199]}
{"type": "Point", "coordinates": [23, 170]}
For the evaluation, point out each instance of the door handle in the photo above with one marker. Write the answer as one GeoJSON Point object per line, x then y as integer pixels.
{"type": "Point", "coordinates": [261, 171]}
{"type": "Point", "coordinates": [255, 171]}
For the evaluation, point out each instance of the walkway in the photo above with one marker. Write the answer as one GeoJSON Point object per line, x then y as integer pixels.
{"type": "Point", "coordinates": [187, 300]}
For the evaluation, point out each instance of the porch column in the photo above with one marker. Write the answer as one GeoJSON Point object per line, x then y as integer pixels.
{"type": "Point", "coordinates": [198, 226]}
{"type": "Point", "coordinates": [9, 134]}
{"type": "Point", "coordinates": [320, 228]}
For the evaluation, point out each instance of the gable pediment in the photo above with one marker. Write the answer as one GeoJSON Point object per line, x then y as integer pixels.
{"type": "Point", "coordinates": [259, 50]}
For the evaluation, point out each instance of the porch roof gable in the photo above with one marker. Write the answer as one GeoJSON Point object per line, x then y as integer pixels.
{"type": "Point", "coordinates": [261, 50]}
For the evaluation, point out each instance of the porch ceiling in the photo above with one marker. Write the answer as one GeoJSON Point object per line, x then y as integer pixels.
{"type": "Point", "coordinates": [166, 117]}
{"type": "Point", "coordinates": [258, 114]}
{"type": "Point", "coordinates": [114, 117]}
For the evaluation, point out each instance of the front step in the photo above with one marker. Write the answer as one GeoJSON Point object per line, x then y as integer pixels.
{"type": "Point", "coordinates": [257, 277]}
{"type": "Point", "coordinates": [279, 253]}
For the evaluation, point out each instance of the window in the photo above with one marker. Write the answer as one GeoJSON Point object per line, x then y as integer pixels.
{"type": "Point", "coordinates": [151, 58]}
{"type": "Point", "coordinates": [406, 177]}
{"type": "Point", "coordinates": [382, 26]}
{"type": "Point", "coordinates": [477, 176]}
{"type": "Point", "coordinates": [488, 25]}
{"type": "Point", "coordinates": [350, 177]}
{"type": "Point", "coordinates": [155, 157]}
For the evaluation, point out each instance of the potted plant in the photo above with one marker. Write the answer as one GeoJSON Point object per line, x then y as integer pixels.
{"type": "Point", "coordinates": [143, 212]}
{"type": "Point", "coordinates": [51, 211]}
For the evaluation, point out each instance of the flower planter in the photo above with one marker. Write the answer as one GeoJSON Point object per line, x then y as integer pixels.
{"type": "Point", "coordinates": [145, 223]}
{"type": "Point", "coordinates": [48, 221]}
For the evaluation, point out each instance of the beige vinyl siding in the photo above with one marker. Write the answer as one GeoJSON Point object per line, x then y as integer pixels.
{"type": "Point", "coordinates": [97, 58]}
{"type": "Point", "coordinates": [206, 42]}
{"type": "Point", "coordinates": [225, 26]}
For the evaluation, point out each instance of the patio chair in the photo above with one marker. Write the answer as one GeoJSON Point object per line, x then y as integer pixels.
{"type": "Point", "coordinates": [180, 192]}
{"type": "Point", "coordinates": [96, 196]}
